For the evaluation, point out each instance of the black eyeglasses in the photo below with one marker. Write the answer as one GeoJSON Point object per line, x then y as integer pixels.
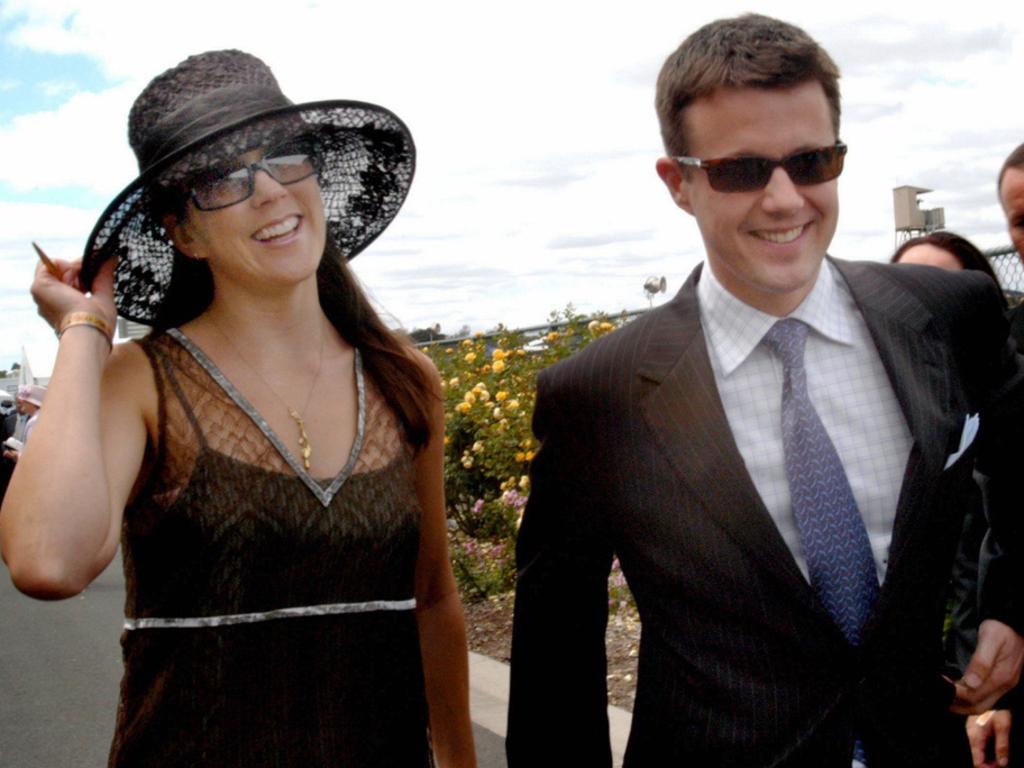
{"type": "Point", "coordinates": [286, 165]}
{"type": "Point", "coordinates": [748, 174]}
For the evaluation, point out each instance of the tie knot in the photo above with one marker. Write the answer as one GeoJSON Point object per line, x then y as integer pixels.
{"type": "Point", "coordinates": [787, 339]}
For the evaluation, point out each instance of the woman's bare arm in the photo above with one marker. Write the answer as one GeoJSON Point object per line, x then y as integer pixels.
{"type": "Point", "coordinates": [439, 610]}
{"type": "Point", "coordinates": [61, 517]}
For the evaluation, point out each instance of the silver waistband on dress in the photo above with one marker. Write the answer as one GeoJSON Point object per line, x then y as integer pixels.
{"type": "Point", "coordinates": [327, 609]}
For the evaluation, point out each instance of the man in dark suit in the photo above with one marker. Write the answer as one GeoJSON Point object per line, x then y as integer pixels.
{"type": "Point", "coordinates": [1011, 196]}
{"type": "Point", "coordinates": [8, 425]}
{"type": "Point", "coordinates": [1001, 731]}
{"type": "Point", "coordinates": [8, 421]}
{"type": "Point", "coordinates": [780, 458]}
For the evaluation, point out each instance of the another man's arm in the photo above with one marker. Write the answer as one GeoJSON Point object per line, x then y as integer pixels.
{"type": "Point", "coordinates": [995, 667]}
{"type": "Point", "coordinates": [558, 699]}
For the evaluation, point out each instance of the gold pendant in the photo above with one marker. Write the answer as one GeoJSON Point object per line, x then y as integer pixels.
{"type": "Point", "coordinates": [305, 449]}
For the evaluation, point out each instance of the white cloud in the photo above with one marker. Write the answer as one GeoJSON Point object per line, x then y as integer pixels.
{"type": "Point", "coordinates": [80, 144]}
{"type": "Point", "coordinates": [536, 129]}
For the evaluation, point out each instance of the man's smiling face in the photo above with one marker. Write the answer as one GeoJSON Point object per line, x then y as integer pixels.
{"type": "Point", "coordinates": [764, 246]}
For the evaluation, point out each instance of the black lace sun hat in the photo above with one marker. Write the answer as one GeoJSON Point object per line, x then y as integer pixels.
{"type": "Point", "coordinates": [202, 115]}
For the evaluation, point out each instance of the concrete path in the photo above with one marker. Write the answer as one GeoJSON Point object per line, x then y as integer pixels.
{"type": "Point", "coordinates": [489, 702]}
{"type": "Point", "coordinates": [60, 666]}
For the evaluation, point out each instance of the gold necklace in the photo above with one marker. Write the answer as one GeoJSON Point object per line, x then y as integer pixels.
{"type": "Point", "coordinates": [305, 448]}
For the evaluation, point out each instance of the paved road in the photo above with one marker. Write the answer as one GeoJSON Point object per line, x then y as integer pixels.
{"type": "Point", "coordinates": [60, 666]}
{"type": "Point", "coordinates": [59, 672]}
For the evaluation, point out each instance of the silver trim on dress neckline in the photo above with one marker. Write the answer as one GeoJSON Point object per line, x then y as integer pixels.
{"type": "Point", "coordinates": [324, 495]}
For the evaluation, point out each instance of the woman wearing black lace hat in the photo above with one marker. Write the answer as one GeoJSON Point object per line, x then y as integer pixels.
{"type": "Point", "coordinates": [269, 458]}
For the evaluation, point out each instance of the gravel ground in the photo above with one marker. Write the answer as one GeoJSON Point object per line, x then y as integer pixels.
{"type": "Point", "coordinates": [489, 628]}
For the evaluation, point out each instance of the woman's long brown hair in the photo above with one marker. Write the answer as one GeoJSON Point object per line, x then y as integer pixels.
{"type": "Point", "coordinates": [387, 356]}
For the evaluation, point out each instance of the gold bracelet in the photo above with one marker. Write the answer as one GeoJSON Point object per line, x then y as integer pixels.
{"type": "Point", "coordinates": [71, 319]}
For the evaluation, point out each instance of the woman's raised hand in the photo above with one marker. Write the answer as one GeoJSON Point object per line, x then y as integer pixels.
{"type": "Point", "coordinates": [57, 295]}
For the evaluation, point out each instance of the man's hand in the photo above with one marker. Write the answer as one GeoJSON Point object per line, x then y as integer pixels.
{"type": "Point", "coordinates": [993, 670]}
{"type": "Point", "coordinates": [982, 729]}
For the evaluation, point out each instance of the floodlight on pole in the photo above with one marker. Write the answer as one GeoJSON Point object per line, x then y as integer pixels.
{"type": "Point", "coordinates": [654, 286]}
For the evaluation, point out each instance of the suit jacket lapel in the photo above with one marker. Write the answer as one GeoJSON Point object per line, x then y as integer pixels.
{"type": "Point", "coordinates": [685, 413]}
{"type": "Point", "coordinates": [917, 364]}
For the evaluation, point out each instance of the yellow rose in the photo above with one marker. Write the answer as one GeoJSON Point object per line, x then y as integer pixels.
{"type": "Point", "coordinates": [467, 462]}
{"type": "Point", "coordinates": [453, 382]}
{"type": "Point", "coordinates": [484, 395]}
{"type": "Point", "coordinates": [470, 357]}
{"type": "Point", "coordinates": [606, 326]}
{"type": "Point", "coordinates": [497, 413]}
{"type": "Point", "coordinates": [447, 440]}
{"type": "Point", "coordinates": [553, 336]}
{"type": "Point", "coordinates": [462, 407]}
{"type": "Point", "coordinates": [498, 355]}
{"type": "Point", "coordinates": [501, 396]}
{"type": "Point", "coordinates": [524, 482]}
{"type": "Point", "coordinates": [485, 369]}
{"type": "Point", "coordinates": [499, 366]}
{"type": "Point", "coordinates": [519, 456]}
{"type": "Point", "coordinates": [469, 397]}
{"type": "Point", "coordinates": [467, 343]}
{"type": "Point", "coordinates": [512, 404]}
{"type": "Point", "coordinates": [478, 446]}
{"type": "Point", "coordinates": [529, 455]}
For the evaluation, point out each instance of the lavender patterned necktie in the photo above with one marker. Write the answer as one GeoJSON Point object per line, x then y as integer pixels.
{"type": "Point", "coordinates": [832, 534]}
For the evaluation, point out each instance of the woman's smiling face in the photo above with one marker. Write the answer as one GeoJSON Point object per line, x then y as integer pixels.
{"type": "Point", "coordinates": [274, 237]}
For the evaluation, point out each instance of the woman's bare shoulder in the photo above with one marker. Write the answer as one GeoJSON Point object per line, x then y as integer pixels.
{"type": "Point", "coordinates": [128, 360]}
{"type": "Point", "coordinates": [128, 377]}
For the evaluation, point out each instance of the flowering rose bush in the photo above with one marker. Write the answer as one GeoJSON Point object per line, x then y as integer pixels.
{"type": "Point", "coordinates": [489, 388]}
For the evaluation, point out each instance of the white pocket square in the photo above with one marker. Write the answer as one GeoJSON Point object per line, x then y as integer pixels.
{"type": "Point", "coordinates": [971, 424]}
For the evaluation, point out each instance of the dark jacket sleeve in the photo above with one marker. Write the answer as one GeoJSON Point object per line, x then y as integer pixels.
{"type": "Point", "coordinates": [1000, 460]}
{"type": "Point", "coordinates": [558, 699]}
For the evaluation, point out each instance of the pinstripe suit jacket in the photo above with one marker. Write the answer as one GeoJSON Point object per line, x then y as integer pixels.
{"type": "Point", "coordinates": [739, 663]}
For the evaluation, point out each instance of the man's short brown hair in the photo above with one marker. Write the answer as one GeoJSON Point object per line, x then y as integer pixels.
{"type": "Point", "coordinates": [1015, 160]}
{"type": "Point", "coordinates": [749, 51]}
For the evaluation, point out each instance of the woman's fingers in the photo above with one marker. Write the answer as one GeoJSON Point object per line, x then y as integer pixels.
{"type": "Point", "coordinates": [103, 290]}
{"type": "Point", "coordinates": [58, 292]}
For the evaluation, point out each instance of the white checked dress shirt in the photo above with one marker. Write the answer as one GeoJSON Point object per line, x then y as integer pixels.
{"type": "Point", "coordinates": [847, 384]}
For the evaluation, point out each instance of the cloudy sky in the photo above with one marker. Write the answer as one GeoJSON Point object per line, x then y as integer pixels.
{"type": "Point", "coordinates": [535, 129]}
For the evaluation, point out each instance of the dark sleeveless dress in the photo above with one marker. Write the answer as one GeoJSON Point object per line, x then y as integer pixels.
{"type": "Point", "coordinates": [269, 615]}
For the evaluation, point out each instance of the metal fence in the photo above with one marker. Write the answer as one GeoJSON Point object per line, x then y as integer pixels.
{"type": "Point", "coordinates": [1009, 269]}
{"type": "Point", "coordinates": [1005, 262]}
{"type": "Point", "coordinates": [529, 332]}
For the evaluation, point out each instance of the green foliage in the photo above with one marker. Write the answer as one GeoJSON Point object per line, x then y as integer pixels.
{"type": "Point", "coordinates": [489, 390]}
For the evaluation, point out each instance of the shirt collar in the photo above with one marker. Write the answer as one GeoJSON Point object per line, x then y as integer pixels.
{"type": "Point", "coordinates": [734, 328]}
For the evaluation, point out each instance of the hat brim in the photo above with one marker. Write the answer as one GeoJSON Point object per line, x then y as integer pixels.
{"type": "Point", "coordinates": [366, 161]}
